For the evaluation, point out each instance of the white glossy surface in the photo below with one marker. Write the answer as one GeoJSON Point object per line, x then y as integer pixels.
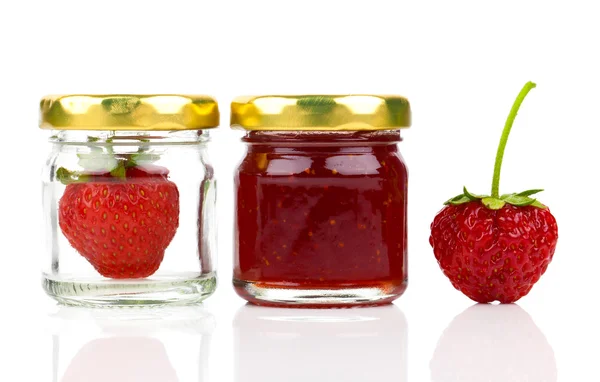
{"type": "Point", "coordinates": [225, 340]}
{"type": "Point", "coordinates": [461, 63]}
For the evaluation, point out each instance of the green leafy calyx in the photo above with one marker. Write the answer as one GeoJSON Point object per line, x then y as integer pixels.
{"type": "Point", "coordinates": [102, 160]}
{"type": "Point", "coordinates": [521, 199]}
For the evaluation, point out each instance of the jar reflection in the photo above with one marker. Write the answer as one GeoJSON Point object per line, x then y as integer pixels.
{"type": "Point", "coordinates": [136, 344]}
{"type": "Point", "coordinates": [278, 344]}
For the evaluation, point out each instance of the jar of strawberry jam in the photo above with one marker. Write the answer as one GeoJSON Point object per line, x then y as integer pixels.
{"type": "Point", "coordinates": [129, 198]}
{"type": "Point", "coordinates": [321, 200]}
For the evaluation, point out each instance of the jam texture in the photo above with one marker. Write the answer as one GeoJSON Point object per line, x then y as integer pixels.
{"type": "Point", "coordinates": [322, 210]}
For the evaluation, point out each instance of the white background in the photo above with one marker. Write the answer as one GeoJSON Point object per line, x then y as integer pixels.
{"type": "Point", "coordinates": [461, 63]}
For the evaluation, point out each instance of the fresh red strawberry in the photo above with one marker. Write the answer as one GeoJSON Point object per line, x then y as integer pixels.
{"type": "Point", "coordinates": [121, 222]}
{"type": "Point", "coordinates": [495, 248]}
{"type": "Point", "coordinates": [493, 254]}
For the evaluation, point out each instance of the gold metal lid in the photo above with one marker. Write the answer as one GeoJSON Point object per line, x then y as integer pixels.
{"type": "Point", "coordinates": [128, 112]}
{"type": "Point", "coordinates": [320, 112]}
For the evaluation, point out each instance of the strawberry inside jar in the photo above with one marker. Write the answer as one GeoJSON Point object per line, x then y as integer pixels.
{"type": "Point", "coordinates": [129, 199]}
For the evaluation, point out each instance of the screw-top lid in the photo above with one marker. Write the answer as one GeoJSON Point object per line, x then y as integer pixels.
{"type": "Point", "coordinates": [128, 112]}
{"type": "Point", "coordinates": [320, 112]}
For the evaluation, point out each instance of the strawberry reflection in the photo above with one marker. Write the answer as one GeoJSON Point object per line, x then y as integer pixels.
{"type": "Point", "coordinates": [121, 359]}
{"type": "Point", "coordinates": [133, 344]}
{"type": "Point", "coordinates": [493, 343]}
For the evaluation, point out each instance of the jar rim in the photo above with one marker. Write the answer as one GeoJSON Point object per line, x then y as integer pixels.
{"type": "Point", "coordinates": [323, 138]}
{"type": "Point", "coordinates": [127, 137]}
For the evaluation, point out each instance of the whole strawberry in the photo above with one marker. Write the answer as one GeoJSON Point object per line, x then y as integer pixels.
{"type": "Point", "coordinates": [121, 221]}
{"type": "Point", "coordinates": [495, 248]}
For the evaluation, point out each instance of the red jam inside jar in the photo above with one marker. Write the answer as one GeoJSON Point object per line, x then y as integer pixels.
{"type": "Point", "coordinates": [321, 218]}
{"type": "Point", "coordinates": [321, 200]}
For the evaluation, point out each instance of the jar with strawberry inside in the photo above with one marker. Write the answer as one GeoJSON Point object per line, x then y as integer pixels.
{"type": "Point", "coordinates": [129, 198]}
{"type": "Point", "coordinates": [321, 200]}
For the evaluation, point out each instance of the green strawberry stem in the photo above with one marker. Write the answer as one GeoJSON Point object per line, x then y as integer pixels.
{"type": "Point", "coordinates": [504, 138]}
{"type": "Point", "coordinates": [497, 201]}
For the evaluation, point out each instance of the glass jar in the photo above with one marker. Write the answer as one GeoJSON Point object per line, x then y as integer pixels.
{"type": "Point", "coordinates": [129, 199]}
{"type": "Point", "coordinates": [321, 200]}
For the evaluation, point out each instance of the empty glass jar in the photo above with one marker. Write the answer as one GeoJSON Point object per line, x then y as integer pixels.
{"type": "Point", "coordinates": [129, 198]}
{"type": "Point", "coordinates": [321, 200]}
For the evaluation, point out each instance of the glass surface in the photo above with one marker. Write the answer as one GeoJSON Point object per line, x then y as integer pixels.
{"type": "Point", "coordinates": [321, 219]}
{"type": "Point", "coordinates": [129, 218]}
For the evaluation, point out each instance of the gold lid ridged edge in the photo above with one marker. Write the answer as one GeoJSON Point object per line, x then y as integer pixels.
{"type": "Point", "coordinates": [320, 112]}
{"type": "Point", "coordinates": [131, 112]}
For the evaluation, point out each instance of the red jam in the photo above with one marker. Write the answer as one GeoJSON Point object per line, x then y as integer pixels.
{"type": "Point", "coordinates": [321, 211]}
